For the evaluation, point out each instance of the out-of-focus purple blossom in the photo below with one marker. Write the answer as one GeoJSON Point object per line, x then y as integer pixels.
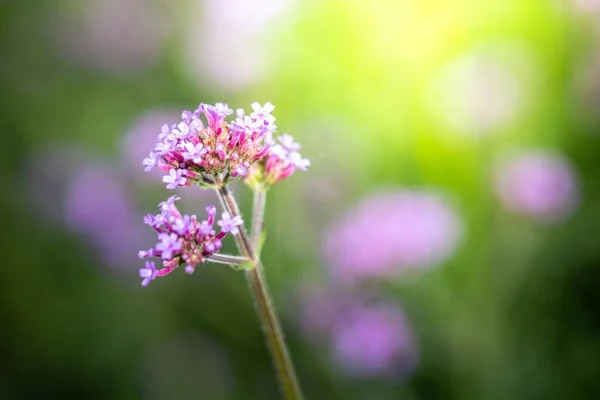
{"type": "Point", "coordinates": [374, 340]}
{"type": "Point", "coordinates": [138, 139]}
{"type": "Point", "coordinates": [112, 35]}
{"type": "Point", "coordinates": [97, 206]}
{"type": "Point", "coordinates": [368, 338]}
{"type": "Point", "coordinates": [539, 184]}
{"type": "Point", "coordinates": [182, 240]}
{"type": "Point", "coordinates": [391, 231]}
{"type": "Point", "coordinates": [189, 150]}
{"type": "Point", "coordinates": [587, 5]}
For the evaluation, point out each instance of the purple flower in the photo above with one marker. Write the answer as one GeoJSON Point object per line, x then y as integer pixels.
{"type": "Point", "coordinates": [296, 159]}
{"type": "Point", "coordinates": [539, 184]}
{"type": "Point", "coordinates": [174, 178]}
{"type": "Point", "coordinates": [263, 114]}
{"type": "Point", "coordinates": [183, 225]}
{"type": "Point", "coordinates": [194, 152]}
{"type": "Point", "coordinates": [368, 337]}
{"type": "Point", "coordinates": [150, 162]}
{"type": "Point", "coordinates": [288, 144]}
{"type": "Point", "coordinates": [374, 340]}
{"type": "Point", "coordinates": [182, 240]}
{"type": "Point", "coordinates": [391, 231]}
{"type": "Point", "coordinates": [229, 224]}
{"type": "Point", "coordinates": [169, 204]}
{"type": "Point", "coordinates": [182, 130]}
{"type": "Point", "coordinates": [148, 273]}
{"type": "Point", "coordinates": [169, 244]}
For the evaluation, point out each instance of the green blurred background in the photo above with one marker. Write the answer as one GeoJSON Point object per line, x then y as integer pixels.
{"type": "Point", "coordinates": [383, 95]}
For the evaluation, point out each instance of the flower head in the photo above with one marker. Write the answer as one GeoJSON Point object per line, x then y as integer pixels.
{"type": "Point", "coordinates": [182, 239]}
{"type": "Point", "coordinates": [540, 185]}
{"type": "Point", "coordinates": [189, 148]}
{"type": "Point", "coordinates": [392, 231]}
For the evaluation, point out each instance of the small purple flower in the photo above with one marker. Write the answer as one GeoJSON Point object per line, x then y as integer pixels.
{"type": "Point", "coordinates": [182, 131]}
{"type": "Point", "coordinates": [174, 178]}
{"type": "Point", "coordinates": [183, 225]}
{"type": "Point", "coordinates": [169, 244]}
{"type": "Point", "coordinates": [296, 159]}
{"type": "Point", "coordinates": [148, 273]}
{"type": "Point", "coordinates": [194, 152]}
{"type": "Point", "coordinates": [288, 144]}
{"type": "Point", "coordinates": [169, 205]}
{"type": "Point", "coordinates": [263, 113]}
{"type": "Point", "coordinates": [150, 162]}
{"type": "Point", "coordinates": [541, 185]}
{"type": "Point", "coordinates": [229, 224]}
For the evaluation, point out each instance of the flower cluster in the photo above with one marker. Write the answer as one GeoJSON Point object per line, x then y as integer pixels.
{"type": "Point", "coordinates": [184, 240]}
{"type": "Point", "coordinates": [280, 162]}
{"type": "Point", "coordinates": [189, 149]}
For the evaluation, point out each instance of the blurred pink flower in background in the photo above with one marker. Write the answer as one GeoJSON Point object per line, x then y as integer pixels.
{"type": "Point", "coordinates": [389, 232]}
{"type": "Point", "coordinates": [227, 46]}
{"type": "Point", "coordinates": [374, 340]}
{"type": "Point", "coordinates": [587, 5]}
{"type": "Point", "coordinates": [112, 35]}
{"type": "Point", "coordinates": [97, 207]}
{"type": "Point", "coordinates": [539, 184]}
{"type": "Point", "coordinates": [48, 171]}
{"type": "Point", "coordinates": [140, 139]}
{"type": "Point", "coordinates": [368, 338]}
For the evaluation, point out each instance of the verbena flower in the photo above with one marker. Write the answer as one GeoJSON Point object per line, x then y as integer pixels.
{"type": "Point", "coordinates": [389, 232]}
{"type": "Point", "coordinates": [182, 240]}
{"type": "Point", "coordinates": [541, 185]}
{"type": "Point", "coordinates": [188, 149]}
{"type": "Point", "coordinates": [281, 161]}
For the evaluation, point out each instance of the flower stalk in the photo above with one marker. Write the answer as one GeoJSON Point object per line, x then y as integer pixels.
{"type": "Point", "coordinates": [260, 292]}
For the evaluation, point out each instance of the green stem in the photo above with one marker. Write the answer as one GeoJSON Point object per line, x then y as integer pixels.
{"type": "Point", "coordinates": [264, 304]}
{"type": "Point", "coordinates": [227, 259]}
{"type": "Point", "coordinates": [258, 217]}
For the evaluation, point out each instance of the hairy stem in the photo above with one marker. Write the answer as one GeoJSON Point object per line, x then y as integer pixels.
{"type": "Point", "coordinates": [258, 217]}
{"type": "Point", "coordinates": [264, 304]}
{"type": "Point", "coordinates": [227, 259]}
